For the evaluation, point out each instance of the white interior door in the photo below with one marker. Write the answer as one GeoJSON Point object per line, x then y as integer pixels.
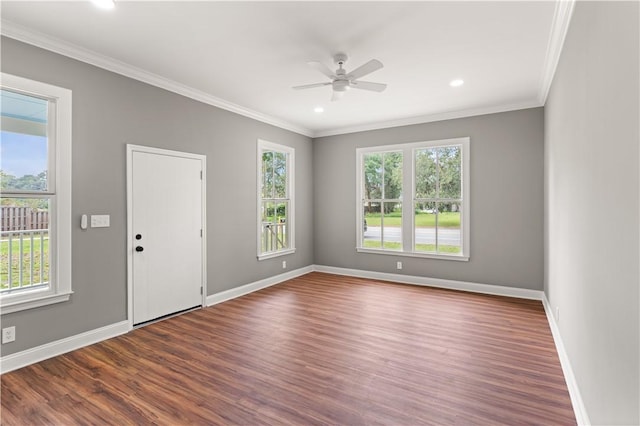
{"type": "Point", "coordinates": [166, 233]}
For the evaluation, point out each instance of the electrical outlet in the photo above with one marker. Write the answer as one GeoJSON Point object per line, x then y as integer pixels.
{"type": "Point", "coordinates": [557, 313]}
{"type": "Point", "coordinates": [9, 334]}
{"type": "Point", "coordinates": [284, 264]}
{"type": "Point", "coordinates": [398, 265]}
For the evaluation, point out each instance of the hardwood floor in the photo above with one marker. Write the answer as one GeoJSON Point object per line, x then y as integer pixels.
{"type": "Point", "coordinates": [318, 349]}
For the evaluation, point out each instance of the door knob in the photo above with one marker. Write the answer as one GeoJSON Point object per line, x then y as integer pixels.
{"type": "Point", "coordinates": [139, 248]}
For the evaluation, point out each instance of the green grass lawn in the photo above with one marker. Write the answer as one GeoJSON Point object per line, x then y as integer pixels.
{"type": "Point", "coordinates": [27, 279]}
{"type": "Point", "coordinates": [445, 220]}
{"type": "Point", "coordinates": [427, 248]}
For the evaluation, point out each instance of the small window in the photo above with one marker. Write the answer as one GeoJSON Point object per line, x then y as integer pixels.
{"type": "Point", "coordinates": [35, 204]}
{"type": "Point", "coordinates": [275, 200]}
{"type": "Point", "coordinates": [413, 199]}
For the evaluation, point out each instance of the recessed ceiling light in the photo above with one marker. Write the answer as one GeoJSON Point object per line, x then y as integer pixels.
{"type": "Point", "coordinates": [456, 83]}
{"type": "Point", "coordinates": [104, 4]}
{"type": "Point", "coordinates": [318, 109]}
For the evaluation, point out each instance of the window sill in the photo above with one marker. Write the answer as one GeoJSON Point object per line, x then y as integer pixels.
{"type": "Point", "coordinates": [276, 254]}
{"type": "Point", "coordinates": [9, 306]}
{"type": "Point", "coordinates": [458, 258]}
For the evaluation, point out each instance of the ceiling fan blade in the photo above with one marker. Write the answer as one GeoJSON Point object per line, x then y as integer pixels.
{"type": "Point", "coordinates": [367, 85]}
{"type": "Point", "coordinates": [368, 68]}
{"type": "Point", "coordinates": [310, 86]}
{"type": "Point", "coordinates": [319, 66]}
{"type": "Point", "coordinates": [336, 96]}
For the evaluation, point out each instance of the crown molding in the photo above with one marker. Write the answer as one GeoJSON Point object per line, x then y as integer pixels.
{"type": "Point", "coordinates": [29, 36]}
{"type": "Point", "coordinates": [421, 119]}
{"type": "Point", "coordinates": [559, 29]}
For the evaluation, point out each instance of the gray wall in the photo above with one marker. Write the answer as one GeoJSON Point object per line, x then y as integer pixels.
{"type": "Point", "coordinates": [506, 199]}
{"type": "Point", "coordinates": [592, 211]}
{"type": "Point", "coordinates": [110, 111]}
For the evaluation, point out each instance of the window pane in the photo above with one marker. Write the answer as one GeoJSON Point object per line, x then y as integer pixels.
{"type": "Point", "coordinates": [372, 176]}
{"type": "Point", "coordinates": [425, 227]}
{"type": "Point", "coordinates": [372, 235]}
{"type": "Point", "coordinates": [426, 173]}
{"type": "Point", "coordinates": [23, 142]}
{"type": "Point", "coordinates": [281, 212]}
{"type": "Point", "coordinates": [24, 243]}
{"type": "Point", "coordinates": [280, 174]}
{"type": "Point", "coordinates": [274, 235]}
{"type": "Point", "coordinates": [280, 226]}
{"type": "Point", "coordinates": [392, 226]}
{"type": "Point", "coordinates": [449, 171]}
{"type": "Point", "coordinates": [268, 212]}
{"type": "Point", "coordinates": [267, 174]}
{"type": "Point", "coordinates": [392, 175]}
{"type": "Point", "coordinates": [449, 230]}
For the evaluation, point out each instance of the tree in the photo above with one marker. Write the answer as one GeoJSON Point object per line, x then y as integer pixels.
{"type": "Point", "coordinates": [382, 179]}
{"type": "Point", "coordinates": [426, 175]}
{"type": "Point", "coordinates": [438, 176]}
{"type": "Point", "coordinates": [26, 182]}
{"type": "Point", "coordinates": [449, 166]}
{"type": "Point", "coordinates": [6, 180]}
{"type": "Point", "coordinates": [274, 175]}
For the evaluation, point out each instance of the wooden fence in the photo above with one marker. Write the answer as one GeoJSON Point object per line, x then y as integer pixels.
{"type": "Point", "coordinates": [23, 218]}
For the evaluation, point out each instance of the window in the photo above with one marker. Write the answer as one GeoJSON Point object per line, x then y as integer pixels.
{"type": "Point", "coordinates": [275, 200]}
{"type": "Point", "coordinates": [413, 199]}
{"type": "Point", "coordinates": [35, 202]}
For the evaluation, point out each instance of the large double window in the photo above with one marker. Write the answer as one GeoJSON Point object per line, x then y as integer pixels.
{"type": "Point", "coordinates": [275, 199]}
{"type": "Point", "coordinates": [413, 199]}
{"type": "Point", "coordinates": [35, 179]}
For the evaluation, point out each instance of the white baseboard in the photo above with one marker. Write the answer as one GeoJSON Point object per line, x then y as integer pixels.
{"type": "Point", "coordinates": [223, 296]}
{"type": "Point", "coordinates": [59, 347]}
{"type": "Point", "coordinates": [497, 290]}
{"type": "Point", "coordinates": [572, 385]}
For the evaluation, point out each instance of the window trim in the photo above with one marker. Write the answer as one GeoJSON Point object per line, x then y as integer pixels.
{"type": "Point", "coordinates": [60, 288]}
{"type": "Point", "coordinates": [262, 146]}
{"type": "Point", "coordinates": [408, 196]}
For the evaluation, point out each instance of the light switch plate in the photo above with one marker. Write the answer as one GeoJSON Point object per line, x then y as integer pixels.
{"type": "Point", "coordinates": [100, 221]}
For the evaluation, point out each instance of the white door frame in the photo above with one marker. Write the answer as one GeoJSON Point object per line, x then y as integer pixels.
{"type": "Point", "coordinates": [130, 238]}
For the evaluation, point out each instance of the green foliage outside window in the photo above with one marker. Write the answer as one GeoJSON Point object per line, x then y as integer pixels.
{"type": "Point", "coordinates": [24, 183]}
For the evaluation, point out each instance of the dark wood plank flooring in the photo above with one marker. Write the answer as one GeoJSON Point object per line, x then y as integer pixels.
{"type": "Point", "coordinates": [318, 349]}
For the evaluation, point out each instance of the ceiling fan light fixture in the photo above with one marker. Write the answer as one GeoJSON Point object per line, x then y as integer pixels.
{"type": "Point", "coordinates": [456, 83]}
{"type": "Point", "coordinates": [340, 85]}
{"type": "Point", "coordinates": [104, 4]}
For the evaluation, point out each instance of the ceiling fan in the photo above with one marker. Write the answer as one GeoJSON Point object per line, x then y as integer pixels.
{"type": "Point", "coordinates": [341, 80]}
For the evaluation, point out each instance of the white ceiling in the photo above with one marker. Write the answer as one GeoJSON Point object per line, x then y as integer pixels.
{"type": "Point", "coordinates": [246, 56]}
